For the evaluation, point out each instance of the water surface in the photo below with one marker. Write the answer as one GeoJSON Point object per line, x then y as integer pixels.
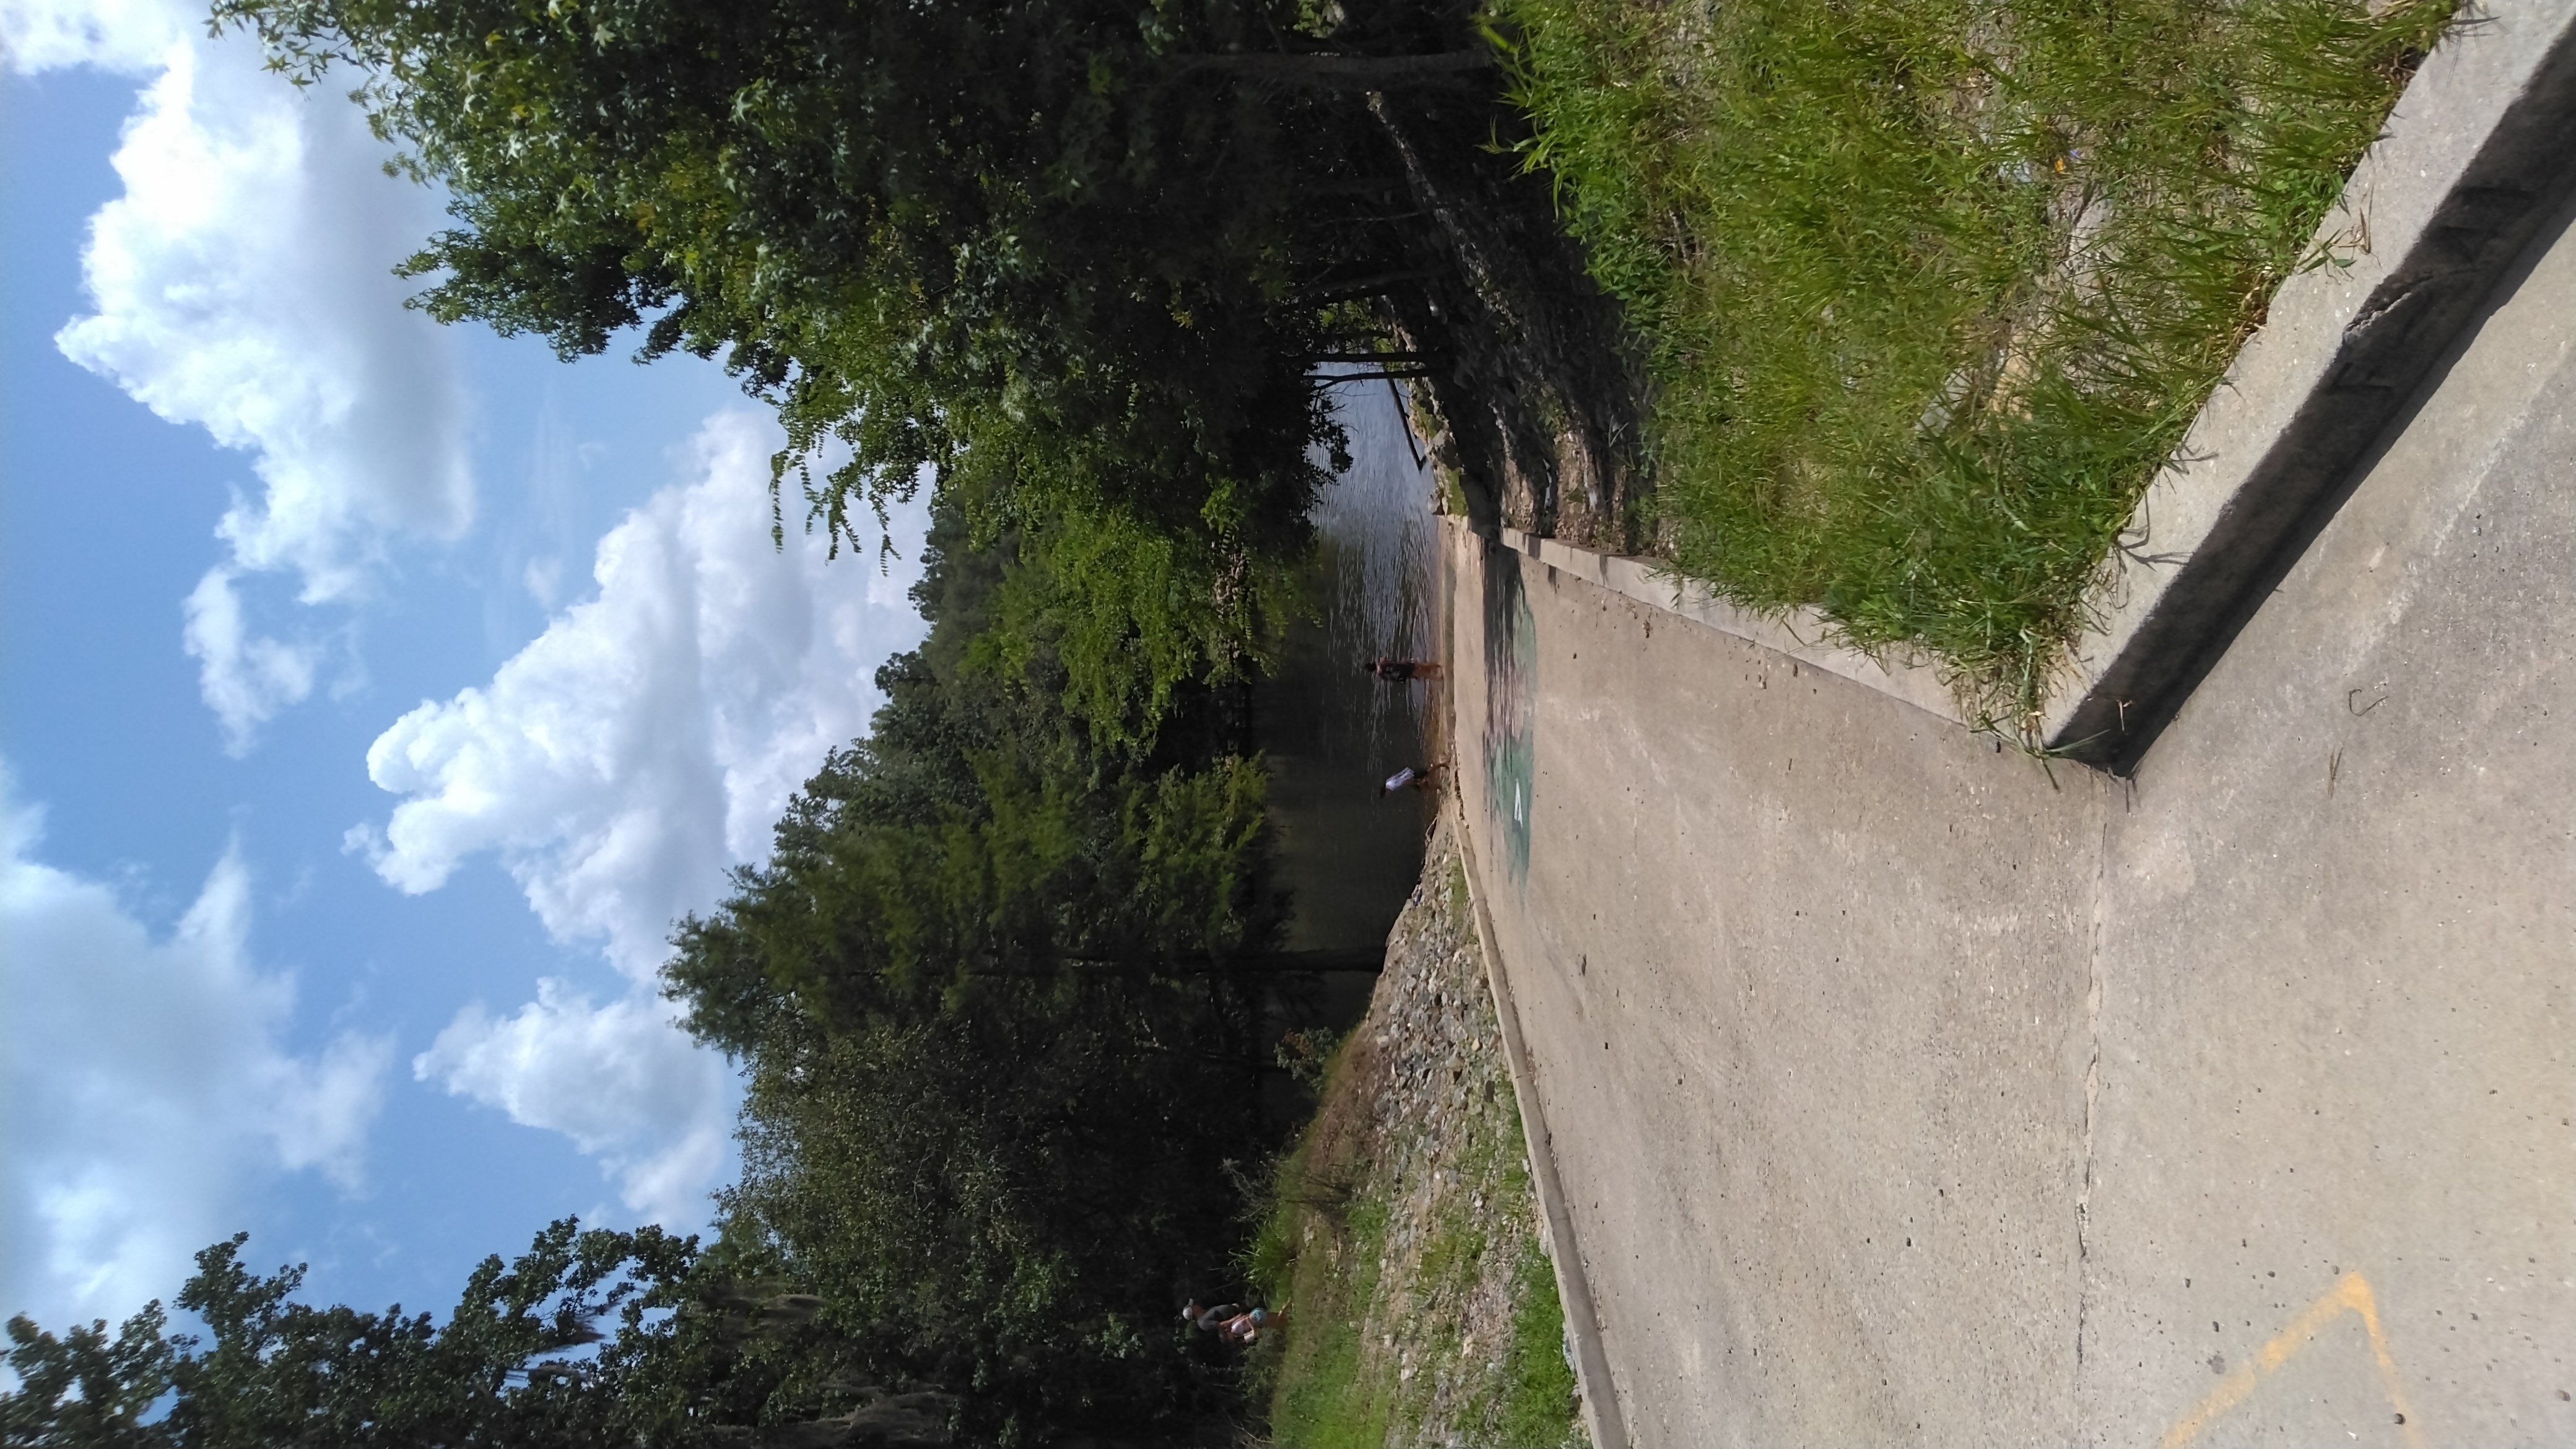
{"type": "Point", "coordinates": [1348, 856]}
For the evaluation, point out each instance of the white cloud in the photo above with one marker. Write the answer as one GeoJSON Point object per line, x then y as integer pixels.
{"type": "Point", "coordinates": [120, 35]}
{"type": "Point", "coordinates": [622, 1081]}
{"type": "Point", "coordinates": [147, 1084]}
{"type": "Point", "coordinates": [544, 578]}
{"type": "Point", "coordinates": [245, 680]}
{"type": "Point", "coordinates": [616, 766]}
{"type": "Point", "coordinates": [324, 1106]}
{"type": "Point", "coordinates": [653, 734]}
{"type": "Point", "coordinates": [243, 283]}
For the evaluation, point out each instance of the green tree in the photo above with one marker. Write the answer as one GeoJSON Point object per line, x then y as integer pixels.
{"type": "Point", "coordinates": [86, 1390]}
{"type": "Point", "coordinates": [272, 1371]}
{"type": "Point", "coordinates": [1010, 1198]}
{"type": "Point", "coordinates": [981, 833]}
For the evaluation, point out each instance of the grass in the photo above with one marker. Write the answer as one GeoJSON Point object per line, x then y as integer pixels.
{"type": "Point", "coordinates": [1930, 289]}
{"type": "Point", "coordinates": [1329, 1387]}
{"type": "Point", "coordinates": [1321, 1393]}
{"type": "Point", "coordinates": [1538, 1382]}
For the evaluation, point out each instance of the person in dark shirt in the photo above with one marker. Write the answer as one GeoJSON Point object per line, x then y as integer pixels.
{"type": "Point", "coordinates": [1207, 1320]}
{"type": "Point", "coordinates": [1403, 671]}
{"type": "Point", "coordinates": [1229, 1322]}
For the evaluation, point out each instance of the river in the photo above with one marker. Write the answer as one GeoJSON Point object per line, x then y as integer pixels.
{"type": "Point", "coordinates": [1348, 855]}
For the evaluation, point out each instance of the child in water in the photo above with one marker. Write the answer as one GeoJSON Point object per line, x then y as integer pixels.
{"type": "Point", "coordinates": [1417, 776]}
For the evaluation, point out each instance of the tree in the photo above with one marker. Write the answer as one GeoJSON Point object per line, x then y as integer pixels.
{"type": "Point", "coordinates": [980, 834]}
{"type": "Point", "coordinates": [1010, 1199]}
{"type": "Point", "coordinates": [86, 1390]}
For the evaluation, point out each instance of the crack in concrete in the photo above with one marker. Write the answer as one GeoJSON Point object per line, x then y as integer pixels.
{"type": "Point", "coordinates": [2092, 1092]}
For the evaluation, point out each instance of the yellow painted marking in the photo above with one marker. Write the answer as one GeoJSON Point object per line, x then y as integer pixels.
{"type": "Point", "coordinates": [2352, 1295]}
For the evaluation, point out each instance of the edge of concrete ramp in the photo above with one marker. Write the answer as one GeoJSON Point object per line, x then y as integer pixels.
{"type": "Point", "coordinates": [1802, 634]}
{"type": "Point", "coordinates": [2476, 156]}
{"type": "Point", "coordinates": [1598, 1393]}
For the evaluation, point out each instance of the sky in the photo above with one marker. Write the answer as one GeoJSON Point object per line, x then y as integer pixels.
{"type": "Point", "coordinates": [373, 697]}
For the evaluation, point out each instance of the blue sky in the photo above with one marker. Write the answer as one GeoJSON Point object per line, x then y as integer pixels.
{"type": "Point", "coordinates": [372, 696]}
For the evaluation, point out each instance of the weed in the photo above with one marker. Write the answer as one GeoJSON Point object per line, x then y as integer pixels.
{"type": "Point", "coordinates": [1304, 1054]}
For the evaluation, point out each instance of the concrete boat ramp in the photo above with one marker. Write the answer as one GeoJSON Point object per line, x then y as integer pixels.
{"type": "Point", "coordinates": [1895, 1087]}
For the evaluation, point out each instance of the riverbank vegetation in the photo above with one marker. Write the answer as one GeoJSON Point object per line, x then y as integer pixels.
{"type": "Point", "coordinates": [1930, 289]}
{"type": "Point", "coordinates": [1402, 1231]}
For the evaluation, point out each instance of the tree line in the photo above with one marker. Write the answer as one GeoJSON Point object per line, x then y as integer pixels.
{"type": "Point", "coordinates": [1006, 1000]}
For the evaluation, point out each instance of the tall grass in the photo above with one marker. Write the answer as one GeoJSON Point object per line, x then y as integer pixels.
{"type": "Point", "coordinates": [1325, 1392]}
{"type": "Point", "coordinates": [1931, 288]}
{"type": "Point", "coordinates": [1538, 1394]}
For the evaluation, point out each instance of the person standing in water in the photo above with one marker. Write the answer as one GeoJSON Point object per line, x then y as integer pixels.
{"type": "Point", "coordinates": [1403, 671]}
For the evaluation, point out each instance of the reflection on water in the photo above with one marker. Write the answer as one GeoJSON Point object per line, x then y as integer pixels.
{"type": "Point", "coordinates": [1348, 857]}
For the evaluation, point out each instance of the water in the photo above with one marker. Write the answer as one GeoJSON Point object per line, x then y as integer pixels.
{"type": "Point", "coordinates": [1347, 856]}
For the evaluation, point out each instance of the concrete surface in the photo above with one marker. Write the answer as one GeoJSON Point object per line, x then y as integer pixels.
{"type": "Point", "coordinates": [1804, 635]}
{"type": "Point", "coordinates": [1901, 1093]}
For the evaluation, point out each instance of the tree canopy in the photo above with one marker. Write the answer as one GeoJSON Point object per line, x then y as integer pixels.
{"type": "Point", "coordinates": [278, 1372]}
{"type": "Point", "coordinates": [1082, 254]}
